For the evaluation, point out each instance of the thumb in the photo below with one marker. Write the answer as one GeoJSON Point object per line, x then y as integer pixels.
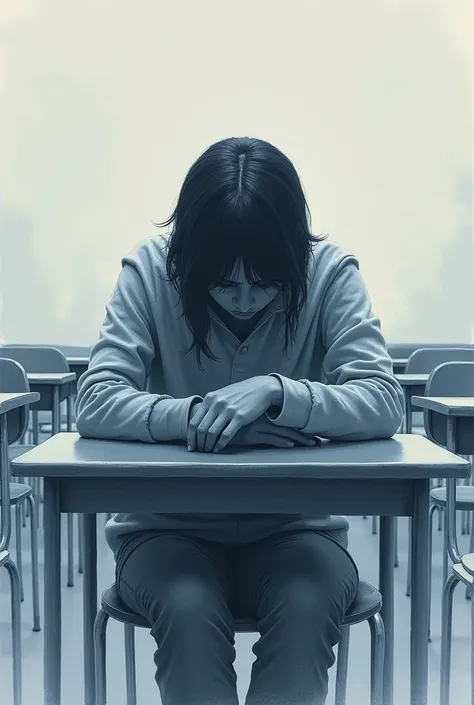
{"type": "Point", "coordinates": [276, 441]}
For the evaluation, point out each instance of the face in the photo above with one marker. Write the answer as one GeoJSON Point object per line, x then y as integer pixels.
{"type": "Point", "coordinates": [240, 298]}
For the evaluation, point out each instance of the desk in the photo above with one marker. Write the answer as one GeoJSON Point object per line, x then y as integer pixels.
{"type": "Point", "coordinates": [399, 364]}
{"type": "Point", "coordinates": [387, 478]}
{"type": "Point", "coordinates": [412, 384]}
{"type": "Point", "coordinates": [77, 364]}
{"type": "Point", "coordinates": [50, 383]}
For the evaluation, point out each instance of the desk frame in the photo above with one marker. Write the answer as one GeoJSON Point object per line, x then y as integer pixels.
{"type": "Point", "coordinates": [387, 498]}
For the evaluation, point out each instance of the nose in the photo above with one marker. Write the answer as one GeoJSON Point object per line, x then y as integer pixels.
{"type": "Point", "coordinates": [246, 303]}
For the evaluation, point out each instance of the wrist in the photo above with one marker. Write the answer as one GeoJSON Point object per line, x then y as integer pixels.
{"type": "Point", "coordinates": [275, 391]}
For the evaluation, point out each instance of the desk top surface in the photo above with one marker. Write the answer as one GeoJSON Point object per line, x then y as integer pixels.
{"type": "Point", "coordinates": [51, 378]}
{"type": "Point", "coordinates": [412, 379]}
{"type": "Point", "coordinates": [14, 400]}
{"type": "Point", "coordinates": [450, 406]}
{"type": "Point", "coordinates": [403, 456]}
{"type": "Point", "coordinates": [78, 359]}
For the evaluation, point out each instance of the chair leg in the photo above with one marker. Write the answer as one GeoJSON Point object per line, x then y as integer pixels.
{"type": "Point", "coordinates": [342, 666]}
{"type": "Point", "coordinates": [472, 643]}
{"type": "Point", "coordinates": [374, 525]}
{"type": "Point", "coordinates": [70, 550]}
{"type": "Point", "coordinates": [100, 633]}
{"type": "Point", "coordinates": [446, 632]}
{"type": "Point", "coordinates": [471, 550]}
{"type": "Point", "coordinates": [80, 540]}
{"type": "Point", "coordinates": [130, 675]}
{"type": "Point", "coordinates": [19, 563]}
{"type": "Point", "coordinates": [440, 519]}
{"type": "Point", "coordinates": [430, 566]}
{"type": "Point", "coordinates": [34, 563]}
{"type": "Point", "coordinates": [377, 655]}
{"type": "Point", "coordinates": [408, 590]}
{"type": "Point", "coordinates": [16, 627]}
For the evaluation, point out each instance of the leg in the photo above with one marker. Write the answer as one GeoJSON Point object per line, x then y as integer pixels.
{"type": "Point", "coordinates": [19, 560]}
{"type": "Point", "coordinates": [80, 543]}
{"type": "Point", "coordinates": [430, 566]}
{"type": "Point", "coordinates": [420, 594]}
{"type": "Point", "coordinates": [446, 630]}
{"type": "Point", "coordinates": [34, 562]}
{"type": "Point", "coordinates": [100, 643]}
{"type": "Point", "coordinates": [52, 593]}
{"type": "Point", "coordinates": [341, 667]}
{"type": "Point", "coordinates": [16, 627]}
{"type": "Point", "coordinates": [299, 585]}
{"type": "Point", "coordinates": [377, 649]}
{"type": "Point", "coordinates": [89, 601]}
{"type": "Point", "coordinates": [396, 562]}
{"type": "Point", "coordinates": [130, 673]}
{"type": "Point", "coordinates": [70, 550]}
{"type": "Point", "coordinates": [386, 588]}
{"type": "Point", "coordinates": [181, 585]}
{"type": "Point", "coordinates": [410, 531]}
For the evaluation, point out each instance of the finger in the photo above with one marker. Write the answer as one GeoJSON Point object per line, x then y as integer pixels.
{"type": "Point", "coordinates": [228, 433]}
{"type": "Point", "coordinates": [203, 430]}
{"type": "Point", "coordinates": [193, 424]}
{"type": "Point", "coordinates": [214, 433]}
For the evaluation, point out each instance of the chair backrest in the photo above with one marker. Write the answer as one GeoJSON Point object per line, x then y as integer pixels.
{"type": "Point", "coordinates": [13, 379]}
{"type": "Point", "coordinates": [36, 358]}
{"type": "Point", "coordinates": [406, 349]}
{"type": "Point", "coordinates": [451, 379]}
{"type": "Point", "coordinates": [424, 360]}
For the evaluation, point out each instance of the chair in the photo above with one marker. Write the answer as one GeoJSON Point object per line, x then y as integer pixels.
{"type": "Point", "coordinates": [424, 361]}
{"type": "Point", "coordinates": [12, 423]}
{"type": "Point", "coordinates": [38, 358]}
{"type": "Point", "coordinates": [366, 606]}
{"type": "Point", "coordinates": [13, 379]}
{"type": "Point", "coordinates": [453, 379]}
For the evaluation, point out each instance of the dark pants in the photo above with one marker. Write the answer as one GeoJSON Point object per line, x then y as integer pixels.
{"type": "Point", "coordinates": [297, 584]}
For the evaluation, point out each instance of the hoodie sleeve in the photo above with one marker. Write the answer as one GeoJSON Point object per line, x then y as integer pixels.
{"type": "Point", "coordinates": [362, 400]}
{"type": "Point", "coordinates": [112, 402]}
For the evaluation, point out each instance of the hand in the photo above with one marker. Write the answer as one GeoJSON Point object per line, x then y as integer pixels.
{"type": "Point", "coordinates": [264, 432]}
{"type": "Point", "coordinates": [223, 412]}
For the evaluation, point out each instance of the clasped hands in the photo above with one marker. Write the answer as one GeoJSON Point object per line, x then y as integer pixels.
{"type": "Point", "coordinates": [235, 415]}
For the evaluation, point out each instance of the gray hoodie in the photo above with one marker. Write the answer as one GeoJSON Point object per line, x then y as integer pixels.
{"type": "Point", "coordinates": [337, 376]}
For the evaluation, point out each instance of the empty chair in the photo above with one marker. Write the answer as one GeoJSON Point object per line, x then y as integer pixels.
{"type": "Point", "coordinates": [454, 379]}
{"type": "Point", "coordinates": [13, 379]}
{"type": "Point", "coordinates": [12, 422]}
{"type": "Point", "coordinates": [37, 358]}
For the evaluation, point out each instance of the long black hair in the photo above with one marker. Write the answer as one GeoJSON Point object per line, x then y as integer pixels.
{"type": "Point", "coordinates": [242, 198]}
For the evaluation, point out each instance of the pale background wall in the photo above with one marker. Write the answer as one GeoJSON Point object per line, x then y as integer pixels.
{"type": "Point", "coordinates": [104, 106]}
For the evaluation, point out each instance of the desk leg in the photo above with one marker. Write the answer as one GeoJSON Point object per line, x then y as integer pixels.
{"type": "Point", "coordinates": [89, 589]}
{"type": "Point", "coordinates": [386, 587]}
{"type": "Point", "coordinates": [52, 592]}
{"type": "Point", "coordinates": [420, 594]}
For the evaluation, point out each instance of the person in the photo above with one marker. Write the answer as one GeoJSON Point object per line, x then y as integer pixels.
{"type": "Point", "coordinates": [238, 328]}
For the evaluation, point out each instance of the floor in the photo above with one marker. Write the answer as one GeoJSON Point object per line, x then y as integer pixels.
{"type": "Point", "coordinates": [364, 547]}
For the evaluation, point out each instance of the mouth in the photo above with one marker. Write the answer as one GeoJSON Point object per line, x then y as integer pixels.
{"type": "Point", "coordinates": [243, 315]}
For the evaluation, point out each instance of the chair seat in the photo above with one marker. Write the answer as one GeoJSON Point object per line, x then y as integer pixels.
{"type": "Point", "coordinates": [462, 574]}
{"type": "Point", "coordinates": [367, 602]}
{"type": "Point", "coordinates": [19, 492]}
{"type": "Point", "coordinates": [468, 562]}
{"type": "Point", "coordinates": [17, 450]}
{"type": "Point", "coordinates": [464, 497]}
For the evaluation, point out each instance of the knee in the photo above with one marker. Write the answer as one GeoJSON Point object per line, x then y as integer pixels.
{"type": "Point", "coordinates": [189, 600]}
{"type": "Point", "coordinates": [306, 605]}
